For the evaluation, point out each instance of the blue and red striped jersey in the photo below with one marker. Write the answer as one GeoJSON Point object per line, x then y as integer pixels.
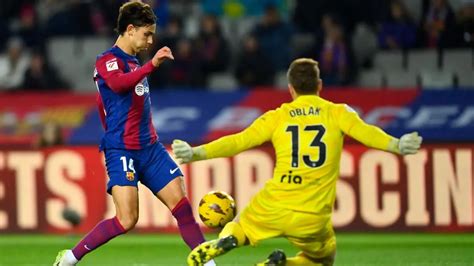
{"type": "Point", "coordinates": [124, 100]}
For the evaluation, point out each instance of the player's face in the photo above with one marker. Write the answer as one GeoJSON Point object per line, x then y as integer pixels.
{"type": "Point", "coordinates": [142, 37]}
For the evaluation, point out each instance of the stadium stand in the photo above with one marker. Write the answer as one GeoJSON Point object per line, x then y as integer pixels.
{"type": "Point", "coordinates": [222, 82]}
{"type": "Point", "coordinates": [371, 79]}
{"type": "Point", "coordinates": [401, 79]}
{"type": "Point", "coordinates": [445, 65]}
{"type": "Point", "coordinates": [419, 60]}
{"type": "Point", "coordinates": [389, 61]}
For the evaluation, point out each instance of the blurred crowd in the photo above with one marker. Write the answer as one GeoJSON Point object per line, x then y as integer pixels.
{"type": "Point", "coordinates": [252, 40]}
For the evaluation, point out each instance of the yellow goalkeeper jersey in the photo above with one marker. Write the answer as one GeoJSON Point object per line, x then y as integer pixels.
{"type": "Point", "coordinates": [307, 135]}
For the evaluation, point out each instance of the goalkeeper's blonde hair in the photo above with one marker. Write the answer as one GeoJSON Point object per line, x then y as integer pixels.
{"type": "Point", "coordinates": [303, 75]}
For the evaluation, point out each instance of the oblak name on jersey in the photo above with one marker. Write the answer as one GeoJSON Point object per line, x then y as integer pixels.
{"type": "Point", "coordinates": [311, 110]}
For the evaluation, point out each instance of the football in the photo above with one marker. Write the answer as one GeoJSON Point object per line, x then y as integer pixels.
{"type": "Point", "coordinates": [216, 209]}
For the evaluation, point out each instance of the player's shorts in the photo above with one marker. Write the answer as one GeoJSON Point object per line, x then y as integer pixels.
{"type": "Point", "coordinates": [152, 166]}
{"type": "Point", "coordinates": [311, 233]}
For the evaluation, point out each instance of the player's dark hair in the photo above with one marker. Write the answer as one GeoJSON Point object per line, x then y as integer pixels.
{"type": "Point", "coordinates": [136, 13]}
{"type": "Point", "coordinates": [303, 75]}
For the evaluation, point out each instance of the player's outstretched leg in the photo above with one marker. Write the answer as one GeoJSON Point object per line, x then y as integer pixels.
{"type": "Point", "coordinates": [211, 249]}
{"type": "Point", "coordinates": [276, 258]}
{"type": "Point", "coordinates": [62, 259]}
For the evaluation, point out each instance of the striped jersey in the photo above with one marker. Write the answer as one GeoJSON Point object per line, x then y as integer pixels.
{"type": "Point", "coordinates": [124, 100]}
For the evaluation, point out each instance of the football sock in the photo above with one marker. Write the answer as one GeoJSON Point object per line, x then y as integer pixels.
{"type": "Point", "coordinates": [301, 259]}
{"type": "Point", "coordinates": [189, 229]}
{"type": "Point", "coordinates": [298, 260]}
{"type": "Point", "coordinates": [234, 229]}
{"type": "Point", "coordinates": [102, 232]}
{"type": "Point", "coordinates": [70, 258]}
{"type": "Point", "coordinates": [210, 263]}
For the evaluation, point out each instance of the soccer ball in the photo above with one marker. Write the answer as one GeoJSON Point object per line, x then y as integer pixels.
{"type": "Point", "coordinates": [216, 209]}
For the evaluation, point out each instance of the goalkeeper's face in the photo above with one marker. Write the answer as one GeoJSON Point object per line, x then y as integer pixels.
{"type": "Point", "coordinates": [142, 37]}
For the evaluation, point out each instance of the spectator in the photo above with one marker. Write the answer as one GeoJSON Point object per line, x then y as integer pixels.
{"type": "Point", "coordinates": [333, 53]}
{"type": "Point", "coordinates": [161, 10]}
{"type": "Point", "coordinates": [41, 76]}
{"type": "Point", "coordinates": [253, 67]}
{"type": "Point", "coordinates": [169, 36]}
{"type": "Point", "coordinates": [51, 135]}
{"type": "Point", "coordinates": [185, 70]}
{"type": "Point", "coordinates": [13, 65]}
{"type": "Point", "coordinates": [213, 50]}
{"type": "Point", "coordinates": [274, 35]}
{"type": "Point", "coordinates": [438, 23]}
{"type": "Point", "coordinates": [26, 27]}
{"type": "Point", "coordinates": [240, 8]}
{"type": "Point", "coordinates": [399, 30]}
{"type": "Point", "coordinates": [465, 25]}
{"type": "Point", "coordinates": [67, 17]}
{"type": "Point", "coordinates": [171, 33]}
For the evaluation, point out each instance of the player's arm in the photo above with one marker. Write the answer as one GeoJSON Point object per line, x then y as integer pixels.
{"type": "Point", "coordinates": [111, 68]}
{"type": "Point", "coordinates": [101, 109]}
{"type": "Point", "coordinates": [258, 132]}
{"type": "Point", "coordinates": [374, 137]}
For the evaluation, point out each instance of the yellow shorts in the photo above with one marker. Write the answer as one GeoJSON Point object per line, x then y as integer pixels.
{"type": "Point", "coordinates": [313, 234]}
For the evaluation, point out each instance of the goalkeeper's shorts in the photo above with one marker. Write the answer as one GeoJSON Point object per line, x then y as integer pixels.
{"type": "Point", "coordinates": [311, 233]}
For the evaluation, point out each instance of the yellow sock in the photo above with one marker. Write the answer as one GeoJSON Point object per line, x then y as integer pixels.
{"type": "Point", "coordinates": [235, 230]}
{"type": "Point", "coordinates": [301, 260]}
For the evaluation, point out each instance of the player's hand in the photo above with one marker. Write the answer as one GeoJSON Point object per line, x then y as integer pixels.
{"type": "Point", "coordinates": [409, 143]}
{"type": "Point", "coordinates": [161, 55]}
{"type": "Point", "coordinates": [182, 150]}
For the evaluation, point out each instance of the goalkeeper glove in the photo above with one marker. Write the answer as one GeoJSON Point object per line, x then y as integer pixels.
{"type": "Point", "coordinates": [185, 153]}
{"type": "Point", "coordinates": [407, 144]}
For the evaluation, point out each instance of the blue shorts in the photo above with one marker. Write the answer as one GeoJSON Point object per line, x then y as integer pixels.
{"type": "Point", "coordinates": [152, 166]}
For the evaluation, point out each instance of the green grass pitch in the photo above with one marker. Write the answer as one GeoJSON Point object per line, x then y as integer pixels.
{"type": "Point", "coordinates": [168, 249]}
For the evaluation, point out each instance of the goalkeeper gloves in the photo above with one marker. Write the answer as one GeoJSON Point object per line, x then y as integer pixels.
{"type": "Point", "coordinates": [407, 144]}
{"type": "Point", "coordinates": [185, 153]}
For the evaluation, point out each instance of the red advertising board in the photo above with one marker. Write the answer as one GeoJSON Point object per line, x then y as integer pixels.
{"type": "Point", "coordinates": [378, 191]}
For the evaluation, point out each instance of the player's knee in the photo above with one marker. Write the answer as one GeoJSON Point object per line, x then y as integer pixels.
{"type": "Point", "coordinates": [128, 221]}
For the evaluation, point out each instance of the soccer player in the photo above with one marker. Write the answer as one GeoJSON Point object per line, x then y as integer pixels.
{"type": "Point", "coordinates": [130, 143]}
{"type": "Point", "coordinates": [297, 202]}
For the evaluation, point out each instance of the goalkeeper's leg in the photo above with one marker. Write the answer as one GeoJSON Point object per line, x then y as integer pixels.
{"type": "Point", "coordinates": [230, 237]}
{"type": "Point", "coordinates": [302, 259]}
{"type": "Point", "coordinates": [278, 258]}
{"type": "Point", "coordinates": [316, 253]}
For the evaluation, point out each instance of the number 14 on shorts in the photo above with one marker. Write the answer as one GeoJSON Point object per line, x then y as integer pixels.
{"type": "Point", "coordinates": [130, 170]}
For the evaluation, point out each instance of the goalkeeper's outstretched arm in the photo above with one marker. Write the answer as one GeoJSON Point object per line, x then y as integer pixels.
{"type": "Point", "coordinates": [224, 147]}
{"type": "Point", "coordinates": [374, 137]}
{"type": "Point", "coordinates": [257, 133]}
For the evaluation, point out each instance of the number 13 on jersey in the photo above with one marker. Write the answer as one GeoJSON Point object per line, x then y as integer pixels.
{"type": "Point", "coordinates": [317, 132]}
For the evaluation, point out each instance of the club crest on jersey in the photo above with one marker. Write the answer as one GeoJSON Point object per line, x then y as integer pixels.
{"type": "Point", "coordinates": [130, 176]}
{"type": "Point", "coordinates": [140, 89]}
{"type": "Point", "coordinates": [111, 64]}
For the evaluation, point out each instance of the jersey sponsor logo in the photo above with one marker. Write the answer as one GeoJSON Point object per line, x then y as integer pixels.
{"type": "Point", "coordinates": [140, 89]}
{"type": "Point", "coordinates": [295, 179]}
{"type": "Point", "coordinates": [111, 64]}
{"type": "Point", "coordinates": [172, 171]}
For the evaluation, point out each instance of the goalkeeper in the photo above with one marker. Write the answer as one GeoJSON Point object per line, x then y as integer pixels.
{"type": "Point", "coordinates": [297, 202]}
